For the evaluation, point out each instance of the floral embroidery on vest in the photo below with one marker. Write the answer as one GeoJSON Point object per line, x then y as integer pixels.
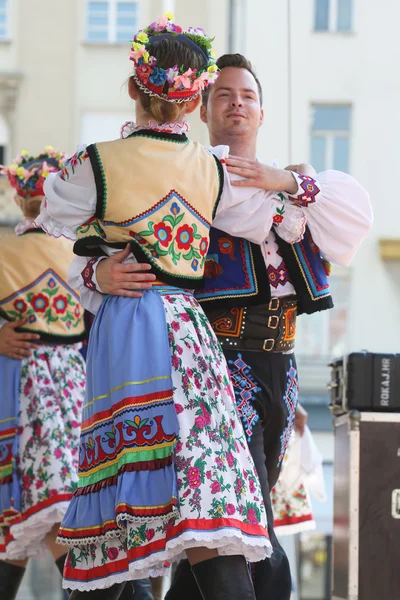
{"type": "Point", "coordinates": [180, 242]}
{"type": "Point", "coordinates": [52, 303]}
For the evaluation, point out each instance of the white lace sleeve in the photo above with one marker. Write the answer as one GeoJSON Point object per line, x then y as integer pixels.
{"type": "Point", "coordinates": [70, 197]}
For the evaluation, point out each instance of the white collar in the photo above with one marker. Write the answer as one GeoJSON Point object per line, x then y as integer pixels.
{"type": "Point", "coordinates": [130, 127]}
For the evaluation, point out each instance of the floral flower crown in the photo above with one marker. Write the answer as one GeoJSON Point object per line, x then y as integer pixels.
{"type": "Point", "coordinates": [174, 84]}
{"type": "Point", "coordinates": [27, 173]}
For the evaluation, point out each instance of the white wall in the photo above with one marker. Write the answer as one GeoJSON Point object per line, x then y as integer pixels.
{"type": "Point", "coordinates": [359, 68]}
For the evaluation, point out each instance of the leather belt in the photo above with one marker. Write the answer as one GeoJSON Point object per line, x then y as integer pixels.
{"type": "Point", "coordinates": [265, 328]}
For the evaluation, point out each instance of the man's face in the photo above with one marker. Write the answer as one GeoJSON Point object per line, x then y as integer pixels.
{"type": "Point", "coordinates": [233, 107]}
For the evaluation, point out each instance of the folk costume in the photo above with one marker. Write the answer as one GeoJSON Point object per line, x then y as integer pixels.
{"type": "Point", "coordinates": [164, 464]}
{"type": "Point", "coordinates": [41, 395]}
{"type": "Point", "coordinates": [252, 294]}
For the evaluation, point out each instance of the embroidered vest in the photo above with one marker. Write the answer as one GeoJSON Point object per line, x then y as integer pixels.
{"type": "Point", "coordinates": [33, 273]}
{"type": "Point", "coordinates": [159, 192]}
{"type": "Point", "coordinates": [235, 274]}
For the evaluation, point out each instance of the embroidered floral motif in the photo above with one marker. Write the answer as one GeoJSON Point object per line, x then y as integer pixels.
{"type": "Point", "coordinates": [226, 246]}
{"type": "Point", "coordinates": [20, 306]}
{"type": "Point", "coordinates": [52, 303]}
{"type": "Point", "coordinates": [310, 189]}
{"type": "Point", "coordinates": [77, 159]}
{"type": "Point", "coordinates": [184, 237]}
{"type": "Point", "coordinates": [170, 239]}
{"type": "Point", "coordinates": [87, 274]}
{"type": "Point", "coordinates": [91, 224]}
{"type": "Point", "coordinates": [163, 233]}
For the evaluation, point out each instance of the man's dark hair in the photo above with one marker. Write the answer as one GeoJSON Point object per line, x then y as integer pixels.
{"type": "Point", "coordinates": [239, 61]}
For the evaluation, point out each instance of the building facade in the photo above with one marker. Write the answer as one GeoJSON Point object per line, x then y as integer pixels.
{"type": "Point", "coordinates": [331, 90]}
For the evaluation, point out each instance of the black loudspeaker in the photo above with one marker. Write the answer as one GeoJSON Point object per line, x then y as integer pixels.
{"type": "Point", "coordinates": [365, 381]}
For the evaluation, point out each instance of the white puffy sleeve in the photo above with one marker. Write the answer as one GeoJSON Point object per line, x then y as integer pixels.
{"type": "Point", "coordinates": [339, 213]}
{"type": "Point", "coordinates": [70, 197]}
{"type": "Point", "coordinates": [250, 213]}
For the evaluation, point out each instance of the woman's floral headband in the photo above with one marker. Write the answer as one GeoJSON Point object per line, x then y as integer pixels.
{"type": "Point", "coordinates": [174, 84]}
{"type": "Point", "coordinates": [27, 173]}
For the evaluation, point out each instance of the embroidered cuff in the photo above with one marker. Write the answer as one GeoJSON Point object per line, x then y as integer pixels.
{"type": "Point", "coordinates": [308, 190]}
{"type": "Point", "coordinates": [289, 221]}
{"type": "Point", "coordinates": [89, 275]}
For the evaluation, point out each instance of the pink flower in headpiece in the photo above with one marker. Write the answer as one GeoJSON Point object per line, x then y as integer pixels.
{"type": "Point", "coordinates": [200, 83]}
{"type": "Point", "coordinates": [136, 54]}
{"type": "Point", "coordinates": [160, 24]}
{"type": "Point", "coordinates": [29, 174]}
{"type": "Point", "coordinates": [143, 72]}
{"type": "Point", "coordinates": [184, 79]}
{"type": "Point", "coordinates": [174, 28]}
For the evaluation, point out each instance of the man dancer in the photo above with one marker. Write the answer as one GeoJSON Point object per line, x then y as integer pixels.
{"type": "Point", "coordinates": [252, 293]}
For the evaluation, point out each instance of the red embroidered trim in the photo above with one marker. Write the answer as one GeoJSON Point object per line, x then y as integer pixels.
{"type": "Point", "coordinates": [161, 395]}
{"type": "Point", "coordinates": [311, 191]}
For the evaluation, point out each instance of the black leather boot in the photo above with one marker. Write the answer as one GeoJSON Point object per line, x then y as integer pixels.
{"type": "Point", "coordinates": [183, 585]}
{"type": "Point", "coordinates": [112, 593]}
{"type": "Point", "coordinates": [60, 562]}
{"type": "Point", "coordinates": [10, 580]}
{"type": "Point", "coordinates": [224, 578]}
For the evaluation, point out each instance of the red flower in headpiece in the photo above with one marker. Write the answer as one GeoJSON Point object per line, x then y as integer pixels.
{"type": "Point", "coordinates": [143, 72]}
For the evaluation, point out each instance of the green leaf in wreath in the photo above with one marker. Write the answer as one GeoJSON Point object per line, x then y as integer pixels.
{"type": "Point", "coordinates": [29, 296]}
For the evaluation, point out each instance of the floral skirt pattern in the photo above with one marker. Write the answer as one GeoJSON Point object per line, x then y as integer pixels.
{"type": "Point", "coordinates": [219, 498]}
{"type": "Point", "coordinates": [51, 396]}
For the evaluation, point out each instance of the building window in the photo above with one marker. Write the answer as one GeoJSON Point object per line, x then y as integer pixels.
{"type": "Point", "coordinates": [330, 137]}
{"type": "Point", "coordinates": [4, 19]}
{"type": "Point", "coordinates": [333, 15]}
{"type": "Point", "coordinates": [111, 22]}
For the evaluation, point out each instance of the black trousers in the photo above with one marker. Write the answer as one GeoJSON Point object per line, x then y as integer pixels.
{"type": "Point", "coordinates": [267, 384]}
